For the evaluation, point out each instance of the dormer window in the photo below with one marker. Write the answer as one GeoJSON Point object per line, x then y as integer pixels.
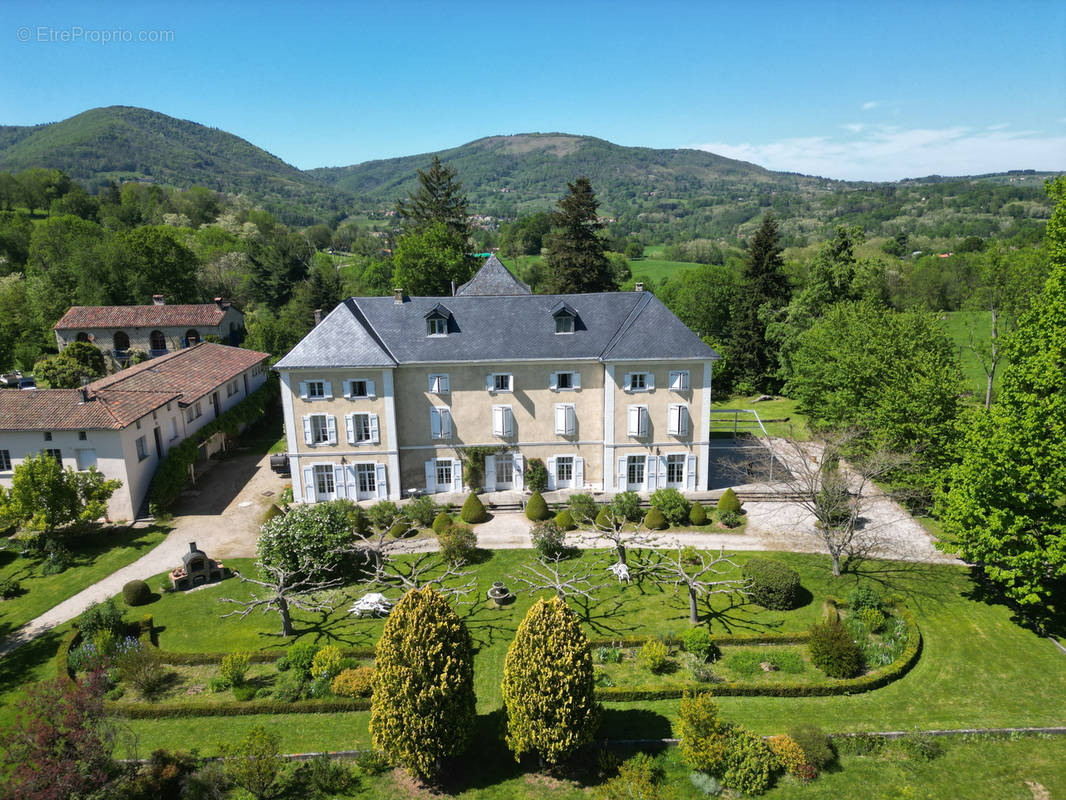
{"type": "Point", "coordinates": [436, 326]}
{"type": "Point", "coordinates": [565, 318]}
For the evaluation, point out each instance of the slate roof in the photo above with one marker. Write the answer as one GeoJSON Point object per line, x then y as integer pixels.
{"type": "Point", "coordinates": [153, 316]}
{"type": "Point", "coordinates": [610, 326]}
{"type": "Point", "coordinates": [65, 409]}
{"type": "Point", "coordinates": [493, 279]}
{"type": "Point", "coordinates": [190, 373]}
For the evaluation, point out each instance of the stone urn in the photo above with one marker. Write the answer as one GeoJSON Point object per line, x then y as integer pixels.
{"type": "Point", "coordinates": [499, 595]}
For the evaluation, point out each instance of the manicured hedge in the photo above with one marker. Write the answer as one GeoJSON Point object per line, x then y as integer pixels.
{"type": "Point", "coordinates": [65, 646]}
{"type": "Point", "coordinates": [724, 640]}
{"type": "Point", "coordinates": [771, 584]}
{"type": "Point", "coordinates": [172, 474]}
{"type": "Point", "coordinates": [234, 708]}
{"type": "Point", "coordinates": [195, 659]}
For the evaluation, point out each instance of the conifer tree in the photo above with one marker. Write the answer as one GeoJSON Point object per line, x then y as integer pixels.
{"type": "Point", "coordinates": [765, 288]}
{"type": "Point", "coordinates": [576, 261]}
{"type": "Point", "coordinates": [439, 198]}
{"type": "Point", "coordinates": [548, 688]}
{"type": "Point", "coordinates": [423, 706]}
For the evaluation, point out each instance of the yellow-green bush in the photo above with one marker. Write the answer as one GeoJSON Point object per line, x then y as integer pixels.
{"type": "Point", "coordinates": [536, 509]}
{"type": "Point", "coordinates": [565, 521]}
{"type": "Point", "coordinates": [358, 682]}
{"type": "Point", "coordinates": [327, 662]}
{"type": "Point", "coordinates": [473, 510]}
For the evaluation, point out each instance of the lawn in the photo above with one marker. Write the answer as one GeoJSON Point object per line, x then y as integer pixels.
{"type": "Point", "coordinates": [779, 416]}
{"type": "Point", "coordinates": [96, 555]}
{"type": "Point", "coordinates": [958, 325]}
{"type": "Point", "coordinates": [977, 668]}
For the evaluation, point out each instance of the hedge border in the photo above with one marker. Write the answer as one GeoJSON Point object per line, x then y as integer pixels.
{"type": "Point", "coordinates": [864, 683]}
{"type": "Point", "coordinates": [62, 654]}
{"type": "Point", "coordinates": [724, 640]}
{"type": "Point", "coordinates": [233, 708]}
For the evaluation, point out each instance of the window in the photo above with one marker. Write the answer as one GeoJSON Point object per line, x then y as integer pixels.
{"type": "Point", "coordinates": [157, 341]}
{"type": "Point", "coordinates": [85, 458]}
{"type": "Point", "coordinates": [502, 421]}
{"type": "Point", "coordinates": [564, 381]}
{"type": "Point", "coordinates": [635, 470]}
{"type": "Point", "coordinates": [316, 390]}
{"type": "Point", "coordinates": [440, 423]}
{"type": "Point", "coordinates": [192, 336]}
{"type": "Point", "coordinates": [121, 341]}
{"type": "Point", "coordinates": [324, 480]}
{"type": "Point", "coordinates": [438, 384]}
{"type": "Point", "coordinates": [173, 429]}
{"type": "Point", "coordinates": [675, 468]}
{"type": "Point", "coordinates": [320, 428]}
{"type": "Point", "coordinates": [504, 469]}
{"type": "Point", "coordinates": [565, 419]}
{"type": "Point", "coordinates": [365, 476]}
{"type": "Point", "coordinates": [638, 421]}
{"type": "Point", "coordinates": [142, 448]}
{"type": "Point", "coordinates": [564, 468]}
{"type": "Point", "coordinates": [500, 382]}
{"type": "Point", "coordinates": [82, 436]}
{"type": "Point", "coordinates": [564, 324]}
{"type": "Point", "coordinates": [56, 454]}
{"type": "Point", "coordinates": [639, 382]}
{"type": "Point", "coordinates": [444, 472]}
{"type": "Point", "coordinates": [358, 388]}
{"type": "Point", "coordinates": [679, 380]}
{"type": "Point", "coordinates": [48, 436]}
{"type": "Point", "coordinates": [362, 428]}
{"type": "Point", "coordinates": [193, 412]}
{"type": "Point", "coordinates": [5, 460]}
{"type": "Point", "coordinates": [677, 420]}
{"type": "Point", "coordinates": [436, 326]}
{"type": "Point", "coordinates": [231, 388]}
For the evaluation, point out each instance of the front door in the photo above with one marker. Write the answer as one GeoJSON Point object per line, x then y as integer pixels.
{"type": "Point", "coordinates": [366, 481]}
{"type": "Point", "coordinates": [214, 402]}
{"type": "Point", "coordinates": [504, 472]}
{"type": "Point", "coordinates": [675, 471]}
{"type": "Point", "coordinates": [325, 486]}
{"type": "Point", "coordinates": [564, 472]}
{"type": "Point", "coordinates": [635, 473]}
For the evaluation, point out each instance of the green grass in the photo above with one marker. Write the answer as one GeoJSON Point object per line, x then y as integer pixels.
{"type": "Point", "coordinates": [95, 556]}
{"type": "Point", "coordinates": [977, 668]}
{"type": "Point", "coordinates": [788, 420]}
{"type": "Point", "coordinates": [958, 325]}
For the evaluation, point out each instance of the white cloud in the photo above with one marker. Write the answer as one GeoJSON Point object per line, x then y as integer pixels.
{"type": "Point", "coordinates": [890, 153]}
{"type": "Point", "coordinates": [870, 105]}
{"type": "Point", "coordinates": [854, 127]}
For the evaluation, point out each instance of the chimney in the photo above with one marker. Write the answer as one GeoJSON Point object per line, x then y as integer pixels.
{"type": "Point", "coordinates": [158, 300]}
{"type": "Point", "coordinates": [397, 297]}
{"type": "Point", "coordinates": [453, 288]}
{"type": "Point", "coordinates": [318, 316]}
{"type": "Point", "coordinates": [219, 303]}
{"type": "Point", "coordinates": [192, 547]}
{"type": "Point", "coordinates": [639, 287]}
{"type": "Point", "coordinates": [85, 394]}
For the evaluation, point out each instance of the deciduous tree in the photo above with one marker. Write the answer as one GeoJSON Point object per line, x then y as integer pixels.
{"type": "Point", "coordinates": [45, 497]}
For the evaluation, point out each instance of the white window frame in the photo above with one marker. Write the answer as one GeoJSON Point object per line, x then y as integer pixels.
{"type": "Point", "coordinates": [679, 380]}
{"type": "Point", "coordinates": [502, 421]}
{"type": "Point", "coordinates": [491, 383]}
{"type": "Point", "coordinates": [555, 379]}
{"type": "Point", "coordinates": [369, 424]}
{"type": "Point", "coordinates": [440, 422]}
{"type": "Point", "coordinates": [645, 379]}
{"type": "Point", "coordinates": [439, 384]}
{"type": "Point", "coordinates": [503, 461]}
{"type": "Point", "coordinates": [5, 460]}
{"type": "Point", "coordinates": [672, 459]}
{"type": "Point", "coordinates": [637, 422]}
{"type": "Point", "coordinates": [312, 394]}
{"type": "Point", "coordinates": [368, 389]}
{"type": "Point", "coordinates": [328, 426]}
{"type": "Point", "coordinates": [436, 326]}
{"type": "Point", "coordinates": [142, 448]}
{"type": "Point", "coordinates": [641, 463]}
{"type": "Point", "coordinates": [362, 470]}
{"type": "Point", "coordinates": [559, 460]}
{"type": "Point", "coordinates": [327, 471]}
{"type": "Point", "coordinates": [565, 419]}
{"type": "Point", "coordinates": [564, 318]}
{"type": "Point", "coordinates": [441, 463]}
{"type": "Point", "coordinates": [677, 420]}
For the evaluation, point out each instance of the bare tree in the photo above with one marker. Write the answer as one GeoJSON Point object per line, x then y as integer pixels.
{"type": "Point", "coordinates": [565, 578]}
{"type": "Point", "coordinates": [622, 538]}
{"type": "Point", "coordinates": [700, 578]}
{"type": "Point", "coordinates": [836, 492]}
{"type": "Point", "coordinates": [284, 589]}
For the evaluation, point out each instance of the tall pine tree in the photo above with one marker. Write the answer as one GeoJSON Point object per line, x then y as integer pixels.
{"type": "Point", "coordinates": [765, 289]}
{"type": "Point", "coordinates": [440, 198]}
{"type": "Point", "coordinates": [576, 262]}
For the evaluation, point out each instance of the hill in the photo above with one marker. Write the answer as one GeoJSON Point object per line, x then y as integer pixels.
{"type": "Point", "coordinates": [122, 143]}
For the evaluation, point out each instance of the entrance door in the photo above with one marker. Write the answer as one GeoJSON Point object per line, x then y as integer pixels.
{"type": "Point", "coordinates": [635, 473]}
{"type": "Point", "coordinates": [325, 486]}
{"type": "Point", "coordinates": [675, 471]}
{"type": "Point", "coordinates": [158, 443]}
{"type": "Point", "coordinates": [215, 403]}
{"type": "Point", "coordinates": [504, 472]}
{"type": "Point", "coordinates": [564, 472]}
{"type": "Point", "coordinates": [366, 481]}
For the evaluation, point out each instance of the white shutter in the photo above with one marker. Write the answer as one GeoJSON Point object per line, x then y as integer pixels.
{"type": "Point", "coordinates": [431, 476]}
{"type": "Point", "coordinates": [560, 420]}
{"type": "Point", "coordinates": [662, 471]}
{"type": "Point", "coordinates": [370, 389]}
{"type": "Point", "coordinates": [457, 475]}
{"type": "Point", "coordinates": [579, 472]}
{"type": "Point", "coordinates": [445, 423]}
{"type": "Point", "coordinates": [349, 423]}
{"type": "Point", "coordinates": [553, 381]}
{"type": "Point", "coordinates": [490, 473]}
{"type": "Point", "coordinates": [627, 381]}
{"type": "Point", "coordinates": [519, 472]}
{"type": "Point", "coordinates": [673, 420]}
{"type": "Point", "coordinates": [331, 428]}
{"type": "Point", "coordinates": [649, 473]}
{"type": "Point", "coordinates": [381, 481]}
{"type": "Point", "coordinates": [374, 437]}
{"type": "Point", "coordinates": [575, 379]}
{"type": "Point", "coordinates": [682, 421]}
{"type": "Point", "coordinates": [338, 480]}
{"type": "Point", "coordinates": [690, 473]}
{"type": "Point", "coordinates": [622, 476]}
{"type": "Point", "coordinates": [351, 482]}
{"type": "Point", "coordinates": [327, 389]}
{"type": "Point", "coordinates": [489, 385]}
{"type": "Point", "coordinates": [303, 389]}
{"type": "Point", "coordinates": [434, 423]}
{"type": "Point", "coordinates": [551, 473]}
{"type": "Point", "coordinates": [434, 384]}
{"type": "Point", "coordinates": [634, 421]}
{"type": "Point", "coordinates": [307, 430]}
{"type": "Point", "coordinates": [499, 414]}
{"type": "Point", "coordinates": [649, 381]}
{"type": "Point", "coordinates": [445, 384]}
{"type": "Point", "coordinates": [571, 421]}
{"type": "Point", "coordinates": [309, 484]}
{"type": "Point", "coordinates": [347, 389]}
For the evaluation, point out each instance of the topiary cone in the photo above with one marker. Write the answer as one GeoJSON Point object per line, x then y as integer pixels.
{"type": "Point", "coordinates": [473, 510]}
{"type": "Point", "coordinates": [729, 502]}
{"type": "Point", "coordinates": [536, 508]}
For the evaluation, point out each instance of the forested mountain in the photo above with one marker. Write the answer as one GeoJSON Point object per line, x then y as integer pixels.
{"type": "Point", "coordinates": [121, 143]}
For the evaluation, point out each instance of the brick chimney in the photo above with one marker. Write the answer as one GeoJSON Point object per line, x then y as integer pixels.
{"type": "Point", "coordinates": [397, 297]}
{"type": "Point", "coordinates": [639, 287]}
{"type": "Point", "coordinates": [221, 303]}
{"type": "Point", "coordinates": [318, 317]}
{"type": "Point", "coordinates": [158, 300]}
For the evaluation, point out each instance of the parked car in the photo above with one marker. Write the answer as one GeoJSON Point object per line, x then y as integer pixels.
{"type": "Point", "coordinates": [11, 379]}
{"type": "Point", "coordinates": [27, 382]}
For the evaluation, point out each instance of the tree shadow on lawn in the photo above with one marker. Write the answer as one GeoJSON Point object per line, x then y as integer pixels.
{"type": "Point", "coordinates": [487, 624]}
{"type": "Point", "coordinates": [739, 615]}
{"type": "Point", "coordinates": [603, 617]}
{"type": "Point", "coordinates": [915, 581]}
{"type": "Point", "coordinates": [982, 590]}
{"type": "Point", "coordinates": [19, 666]}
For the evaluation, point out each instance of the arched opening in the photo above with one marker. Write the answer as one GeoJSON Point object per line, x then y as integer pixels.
{"type": "Point", "coordinates": [157, 342]}
{"type": "Point", "coordinates": [122, 341]}
{"type": "Point", "coordinates": [81, 337]}
{"type": "Point", "coordinates": [192, 336]}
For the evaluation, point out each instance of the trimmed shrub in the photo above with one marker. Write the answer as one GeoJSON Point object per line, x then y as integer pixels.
{"type": "Point", "coordinates": [654, 655]}
{"type": "Point", "coordinates": [458, 544]}
{"type": "Point", "coordinates": [771, 584]}
{"type": "Point", "coordinates": [815, 745]}
{"type": "Point", "coordinates": [627, 504]}
{"type": "Point", "coordinates": [698, 642]}
{"type": "Point", "coordinates": [604, 520]}
{"type": "Point", "coordinates": [565, 520]}
{"type": "Point", "coordinates": [548, 539]}
{"type": "Point", "coordinates": [704, 737]}
{"type": "Point", "coordinates": [300, 656]}
{"type": "Point", "coordinates": [696, 515]}
{"type": "Point", "coordinates": [400, 529]}
{"type": "Point", "coordinates": [790, 756]}
{"type": "Point", "coordinates": [536, 508]}
{"type": "Point", "coordinates": [749, 762]}
{"type": "Point", "coordinates": [383, 514]}
{"type": "Point", "coordinates": [441, 521]}
{"type": "Point", "coordinates": [861, 597]}
{"type": "Point", "coordinates": [136, 593]}
{"type": "Point", "coordinates": [358, 682]}
{"type": "Point", "coordinates": [9, 587]}
{"type": "Point", "coordinates": [243, 694]}
{"type": "Point", "coordinates": [873, 619]}
{"type": "Point", "coordinates": [421, 511]}
{"type": "Point", "coordinates": [673, 504]}
{"type": "Point", "coordinates": [234, 667]}
{"type": "Point", "coordinates": [654, 520]}
{"type": "Point", "coordinates": [326, 663]}
{"type": "Point", "coordinates": [833, 651]}
{"type": "Point", "coordinates": [473, 510]}
{"type": "Point", "coordinates": [583, 509]}
{"type": "Point", "coordinates": [536, 476]}
{"type": "Point", "coordinates": [728, 502]}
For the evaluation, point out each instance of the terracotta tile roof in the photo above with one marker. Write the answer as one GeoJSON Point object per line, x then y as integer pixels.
{"type": "Point", "coordinates": [191, 373]}
{"type": "Point", "coordinates": [65, 409]}
{"type": "Point", "coordinates": [165, 316]}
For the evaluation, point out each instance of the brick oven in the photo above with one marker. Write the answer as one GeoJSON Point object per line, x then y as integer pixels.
{"type": "Point", "coordinates": [196, 570]}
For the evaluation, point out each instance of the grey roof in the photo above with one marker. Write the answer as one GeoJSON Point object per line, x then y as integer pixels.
{"type": "Point", "coordinates": [610, 326]}
{"type": "Point", "coordinates": [493, 279]}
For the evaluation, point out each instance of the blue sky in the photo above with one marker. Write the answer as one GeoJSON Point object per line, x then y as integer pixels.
{"type": "Point", "coordinates": [850, 90]}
